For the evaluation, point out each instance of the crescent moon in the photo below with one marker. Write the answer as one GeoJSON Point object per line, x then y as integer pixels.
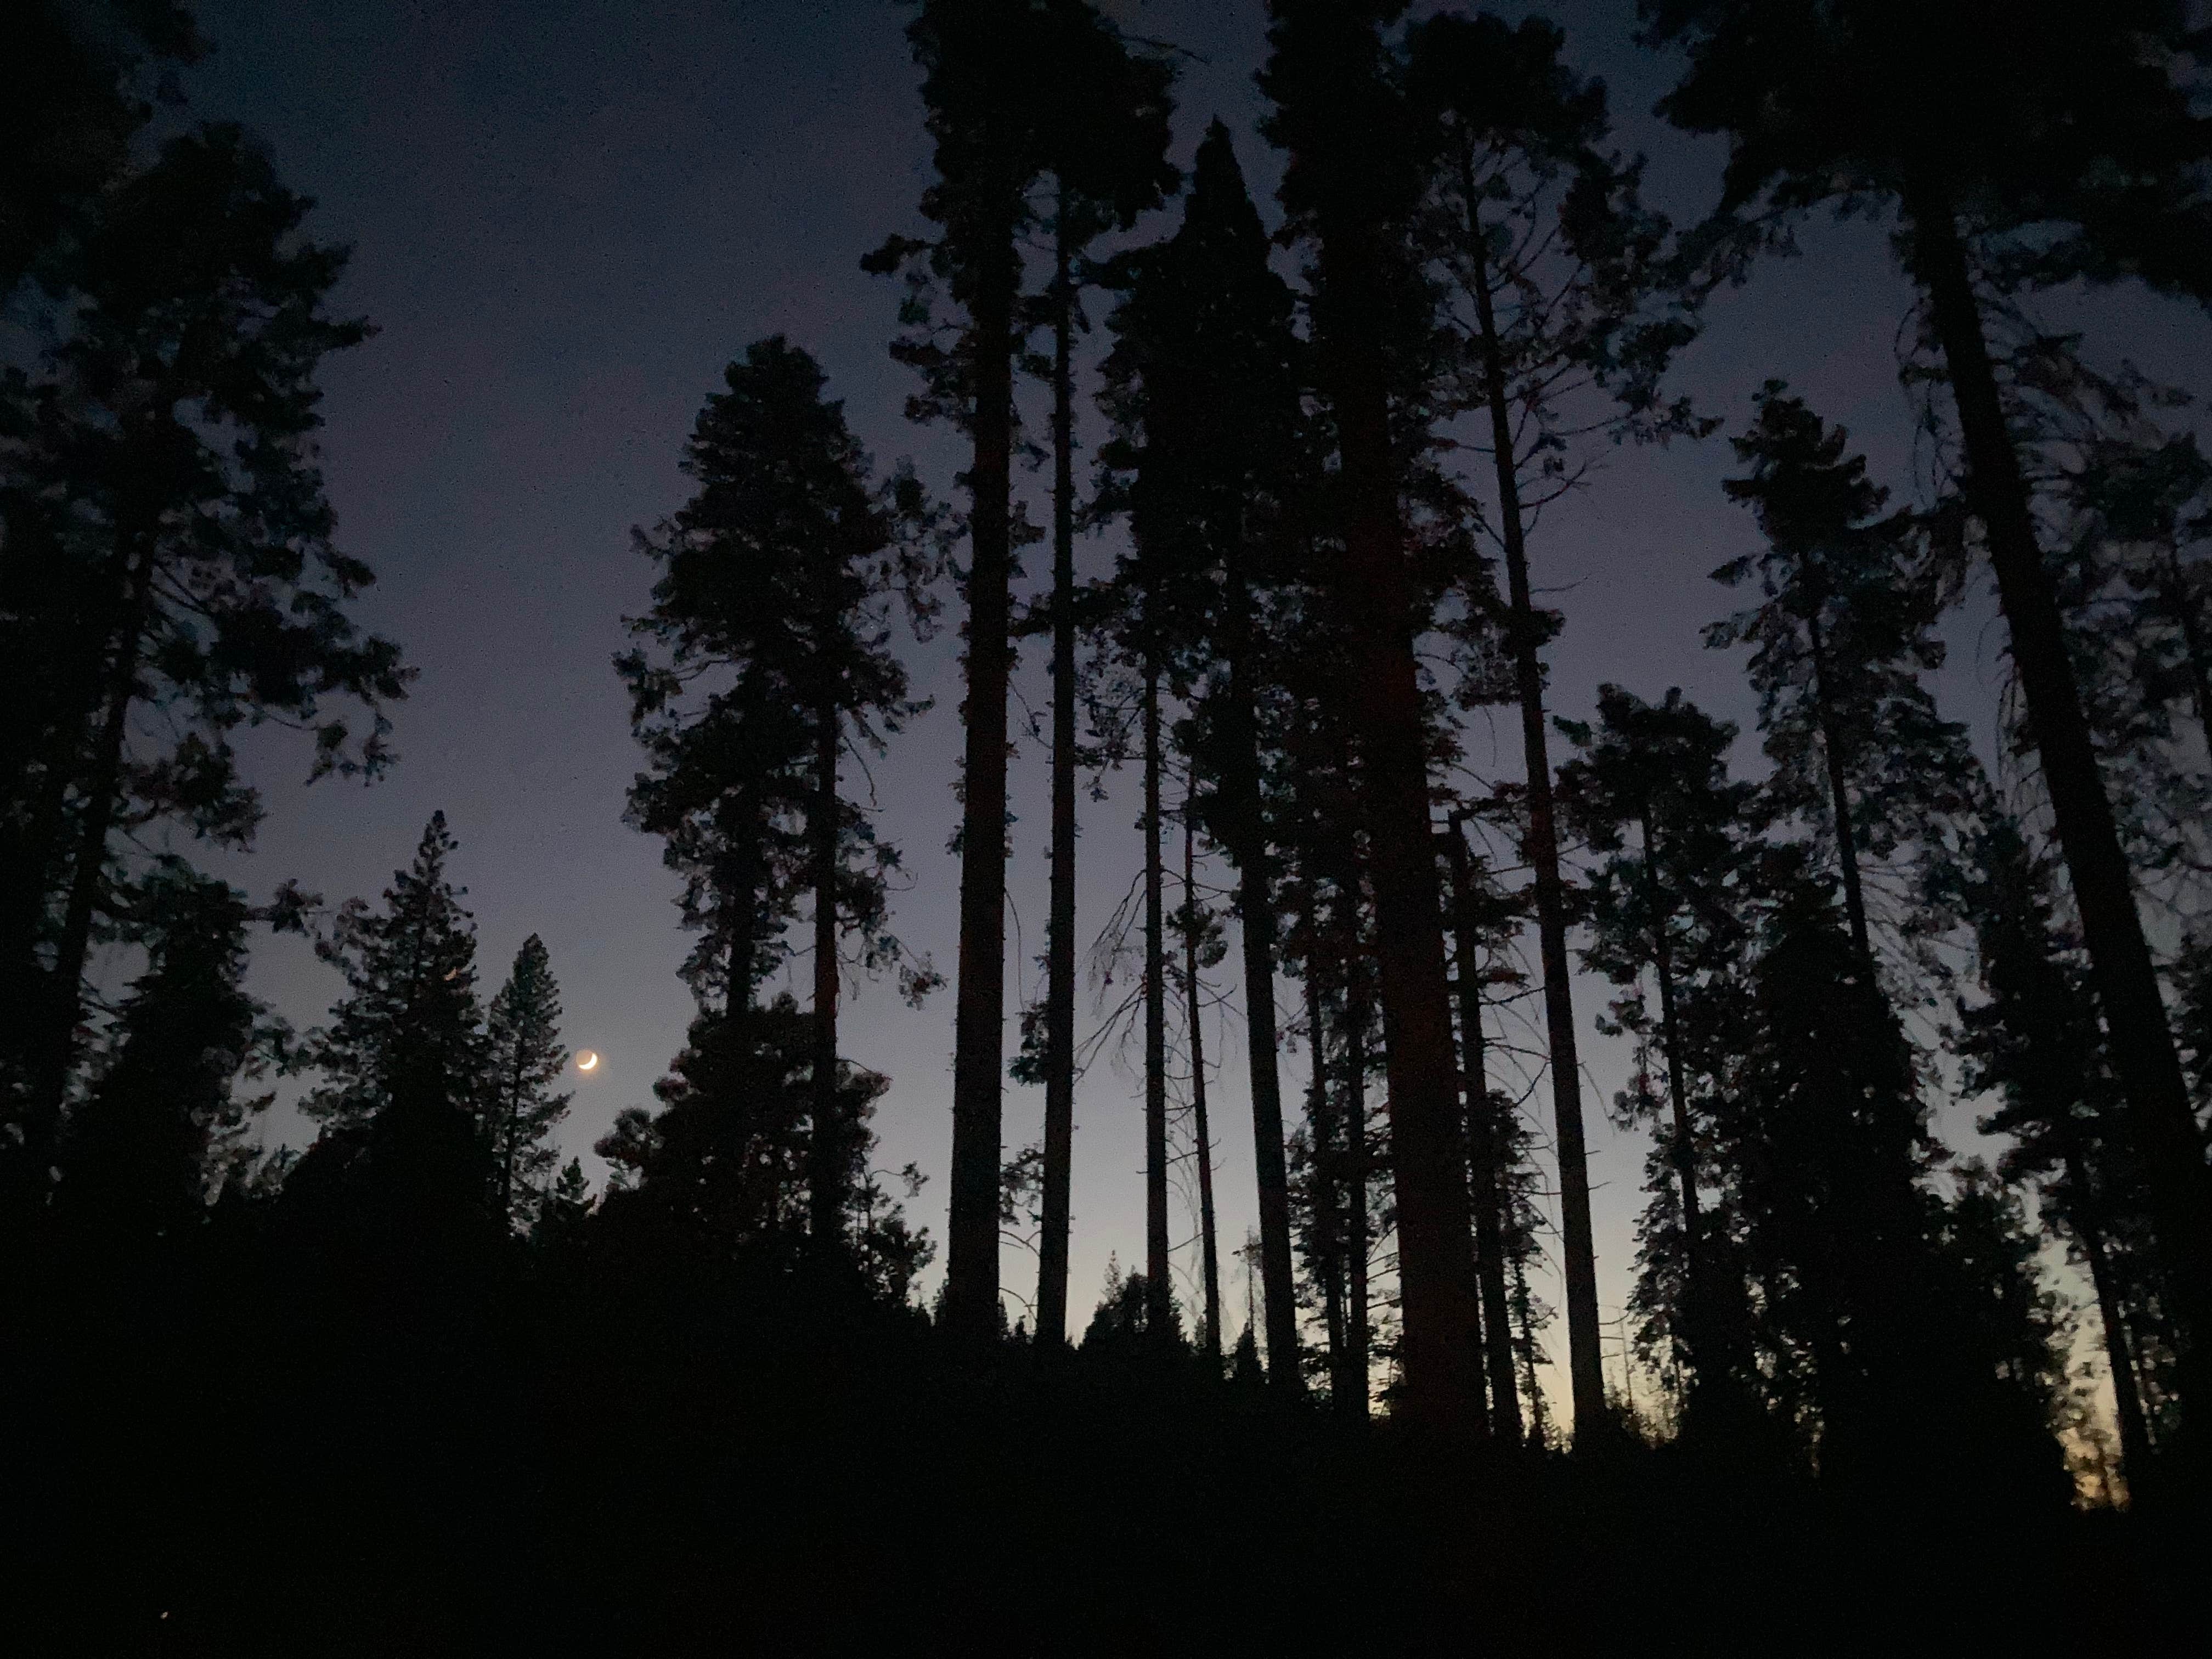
{"type": "Point", "coordinates": [587, 1061]}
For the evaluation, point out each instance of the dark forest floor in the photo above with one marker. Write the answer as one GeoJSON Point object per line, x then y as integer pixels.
{"type": "Point", "coordinates": [306, 1459]}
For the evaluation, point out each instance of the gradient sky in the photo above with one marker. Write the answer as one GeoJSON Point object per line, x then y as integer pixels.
{"type": "Point", "coordinates": [568, 214]}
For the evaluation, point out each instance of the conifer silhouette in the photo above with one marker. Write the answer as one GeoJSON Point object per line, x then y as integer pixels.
{"type": "Point", "coordinates": [2057, 147]}
{"type": "Point", "coordinates": [1201, 386]}
{"type": "Point", "coordinates": [1107, 155]}
{"type": "Point", "coordinates": [990, 101]}
{"type": "Point", "coordinates": [1350, 185]}
{"type": "Point", "coordinates": [767, 655]}
{"type": "Point", "coordinates": [171, 576]}
{"type": "Point", "coordinates": [523, 1056]}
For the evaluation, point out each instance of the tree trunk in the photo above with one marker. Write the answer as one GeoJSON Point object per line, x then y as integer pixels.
{"type": "Point", "coordinates": [741, 944]}
{"type": "Point", "coordinates": [1678, 1094]}
{"type": "Point", "coordinates": [971, 1279]}
{"type": "Point", "coordinates": [1579, 1264]}
{"type": "Point", "coordinates": [2121, 968]}
{"type": "Point", "coordinates": [1059, 926]}
{"type": "Point", "coordinates": [88, 865]}
{"type": "Point", "coordinates": [2127, 1396]}
{"type": "Point", "coordinates": [1158, 1285]}
{"type": "Point", "coordinates": [826, 1149]}
{"type": "Point", "coordinates": [1209, 1247]}
{"type": "Point", "coordinates": [507, 1145]}
{"type": "Point", "coordinates": [1485, 1177]}
{"type": "Point", "coordinates": [1525, 1312]}
{"type": "Point", "coordinates": [1839, 794]}
{"type": "Point", "coordinates": [1436, 1266]}
{"type": "Point", "coordinates": [1255, 910]}
{"type": "Point", "coordinates": [1325, 1257]}
{"type": "Point", "coordinates": [1357, 1333]}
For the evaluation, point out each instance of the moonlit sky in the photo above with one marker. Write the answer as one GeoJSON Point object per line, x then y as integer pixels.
{"type": "Point", "coordinates": [568, 214]}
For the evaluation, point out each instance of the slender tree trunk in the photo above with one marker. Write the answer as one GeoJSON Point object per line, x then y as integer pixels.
{"type": "Point", "coordinates": [1357, 1333]}
{"type": "Point", "coordinates": [1578, 1265]}
{"type": "Point", "coordinates": [1436, 1266]}
{"type": "Point", "coordinates": [1060, 935]}
{"type": "Point", "coordinates": [2127, 1397]}
{"type": "Point", "coordinates": [2121, 968]}
{"type": "Point", "coordinates": [827, 1148]}
{"type": "Point", "coordinates": [1678, 1094]}
{"type": "Point", "coordinates": [1159, 1290]}
{"type": "Point", "coordinates": [1482, 1152]}
{"type": "Point", "coordinates": [89, 866]}
{"type": "Point", "coordinates": [1525, 1312]}
{"type": "Point", "coordinates": [1839, 794]}
{"type": "Point", "coordinates": [971, 1279]}
{"type": "Point", "coordinates": [507, 1142]}
{"type": "Point", "coordinates": [1326, 1256]}
{"type": "Point", "coordinates": [27, 869]}
{"type": "Point", "coordinates": [1209, 1247]}
{"type": "Point", "coordinates": [1256, 909]}
{"type": "Point", "coordinates": [741, 946]}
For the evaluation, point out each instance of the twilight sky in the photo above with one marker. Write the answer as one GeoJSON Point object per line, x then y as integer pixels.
{"type": "Point", "coordinates": [568, 214]}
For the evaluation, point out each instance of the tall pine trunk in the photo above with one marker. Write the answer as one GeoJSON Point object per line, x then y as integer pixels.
{"type": "Point", "coordinates": [1436, 1268]}
{"type": "Point", "coordinates": [1060, 935]}
{"type": "Point", "coordinates": [826, 1147]}
{"type": "Point", "coordinates": [1158, 1288]}
{"type": "Point", "coordinates": [1839, 794]}
{"type": "Point", "coordinates": [1256, 909]}
{"type": "Point", "coordinates": [508, 1147]}
{"type": "Point", "coordinates": [103, 786]}
{"type": "Point", "coordinates": [1209, 1247]}
{"type": "Point", "coordinates": [1524, 1312]}
{"type": "Point", "coordinates": [1486, 1180]}
{"type": "Point", "coordinates": [2127, 1396]}
{"type": "Point", "coordinates": [1326, 1257]}
{"type": "Point", "coordinates": [1695, 1288]}
{"type": "Point", "coordinates": [971, 1278]}
{"type": "Point", "coordinates": [1578, 1265]}
{"type": "Point", "coordinates": [1358, 1334]}
{"type": "Point", "coordinates": [2121, 968]}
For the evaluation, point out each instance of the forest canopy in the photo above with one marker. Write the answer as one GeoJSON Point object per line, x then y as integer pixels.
{"type": "Point", "coordinates": [1256, 449]}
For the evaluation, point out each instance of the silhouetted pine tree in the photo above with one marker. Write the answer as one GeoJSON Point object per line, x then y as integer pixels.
{"type": "Point", "coordinates": [1202, 389]}
{"type": "Point", "coordinates": [562, 1210]}
{"type": "Point", "coordinates": [410, 1017]}
{"type": "Point", "coordinates": [1121, 1329]}
{"type": "Point", "coordinates": [725, 1170]}
{"type": "Point", "coordinates": [1482, 919]}
{"type": "Point", "coordinates": [2032, 1039]}
{"type": "Point", "coordinates": [1650, 791]}
{"type": "Point", "coordinates": [1350, 186]}
{"type": "Point", "coordinates": [1545, 263]}
{"type": "Point", "coordinates": [402, 1065]}
{"type": "Point", "coordinates": [991, 96]}
{"type": "Point", "coordinates": [2124, 500]}
{"type": "Point", "coordinates": [1202, 948]}
{"type": "Point", "coordinates": [1108, 157]}
{"type": "Point", "coordinates": [1827, 1141]}
{"type": "Point", "coordinates": [1840, 640]}
{"type": "Point", "coordinates": [768, 656]}
{"type": "Point", "coordinates": [140, 1154]}
{"type": "Point", "coordinates": [170, 575]}
{"type": "Point", "coordinates": [2055, 145]}
{"type": "Point", "coordinates": [517, 1109]}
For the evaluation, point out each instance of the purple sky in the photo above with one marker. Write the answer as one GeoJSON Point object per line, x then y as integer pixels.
{"type": "Point", "coordinates": [568, 214]}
